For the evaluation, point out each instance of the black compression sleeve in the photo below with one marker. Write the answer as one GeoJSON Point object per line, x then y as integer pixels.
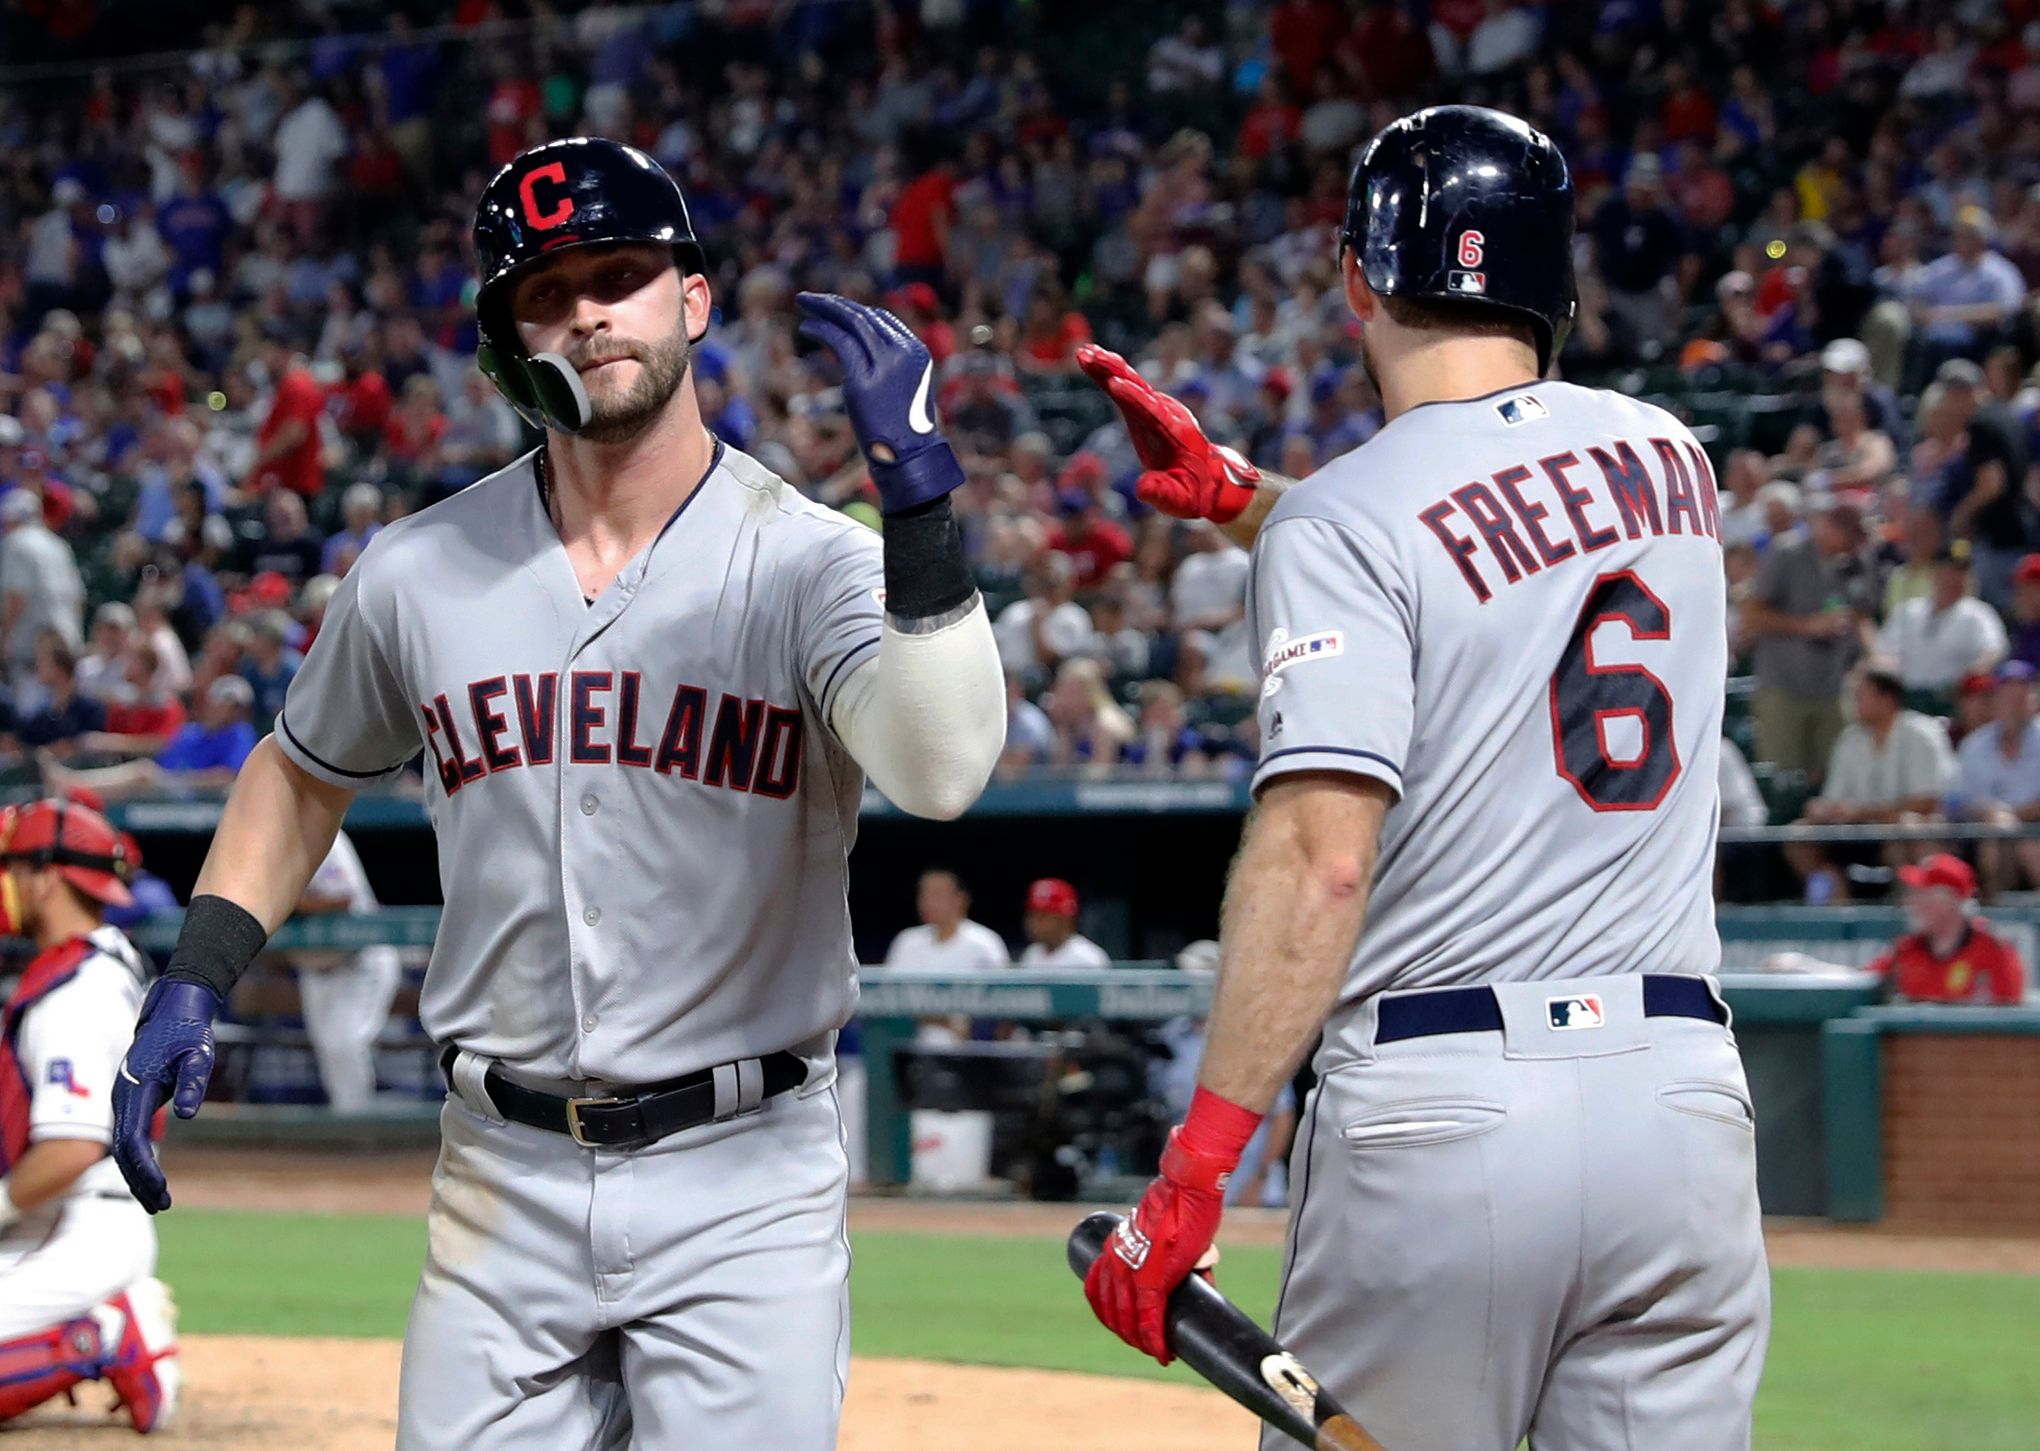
{"type": "Point", "coordinates": [926, 573]}
{"type": "Point", "coordinates": [217, 942]}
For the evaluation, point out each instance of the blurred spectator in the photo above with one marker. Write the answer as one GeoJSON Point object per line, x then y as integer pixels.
{"type": "Point", "coordinates": [1091, 729]}
{"type": "Point", "coordinates": [1797, 613]}
{"type": "Point", "coordinates": [269, 666]}
{"type": "Point", "coordinates": [146, 713]}
{"type": "Point", "coordinates": [1961, 301]}
{"type": "Point", "coordinates": [309, 143]}
{"type": "Point", "coordinates": [1998, 777]}
{"type": "Point", "coordinates": [1938, 639]}
{"type": "Point", "coordinates": [288, 445]}
{"type": "Point", "coordinates": [287, 546]}
{"type": "Point", "coordinates": [1030, 739]}
{"type": "Point", "coordinates": [2026, 610]}
{"type": "Point", "coordinates": [1641, 256]}
{"type": "Point", "coordinates": [1165, 743]}
{"type": "Point", "coordinates": [1742, 804]}
{"type": "Point", "coordinates": [1093, 543]}
{"type": "Point", "coordinates": [1952, 954]}
{"type": "Point", "coordinates": [483, 434]}
{"type": "Point", "coordinates": [1743, 510]}
{"type": "Point", "coordinates": [1891, 765]}
{"type": "Point", "coordinates": [346, 996]}
{"type": "Point", "coordinates": [102, 673]}
{"type": "Point", "coordinates": [1918, 547]}
{"type": "Point", "coordinates": [1050, 923]}
{"type": "Point", "coordinates": [413, 432]}
{"type": "Point", "coordinates": [60, 714]}
{"type": "Point", "coordinates": [1846, 377]}
{"type": "Point", "coordinates": [40, 587]}
{"type": "Point", "coordinates": [1046, 626]}
{"type": "Point", "coordinates": [947, 941]}
{"type": "Point", "coordinates": [204, 755]}
{"type": "Point", "coordinates": [360, 521]}
{"type": "Point", "coordinates": [1185, 60]}
{"type": "Point", "coordinates": [1986, 493]}
{"type": "Point", "coordinates": [1975, 707]}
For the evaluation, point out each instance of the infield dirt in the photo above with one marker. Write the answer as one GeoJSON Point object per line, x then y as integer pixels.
{"type": "Point", "coordinates": [340, 1395]}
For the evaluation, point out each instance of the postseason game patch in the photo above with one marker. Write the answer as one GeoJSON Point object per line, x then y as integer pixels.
{"type": "Point", "coordinates": [1284, 652]}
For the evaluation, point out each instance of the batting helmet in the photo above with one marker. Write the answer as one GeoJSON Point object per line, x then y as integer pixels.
{"type": "Point", "coordinates": [87, 850]}
{"type": "Point", "coordinates": [581, 192]}
{"type": "Point", "coordinates": [1461, 204]}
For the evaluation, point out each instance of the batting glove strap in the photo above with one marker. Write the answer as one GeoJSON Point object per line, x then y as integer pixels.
{"type": "Point", "coordinates": [931, 472]}
{"type": "Point", "coordinates": [1199, 1173]}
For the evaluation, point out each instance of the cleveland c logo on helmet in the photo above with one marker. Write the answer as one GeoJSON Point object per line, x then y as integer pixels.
{"type": "Point", "coordinates": [527, 192]}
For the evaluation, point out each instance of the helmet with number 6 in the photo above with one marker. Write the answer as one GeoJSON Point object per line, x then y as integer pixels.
{"type": "Point", "coordinates": [1467, 206]}
{"type": "Point", "coordinates": [581, 192]}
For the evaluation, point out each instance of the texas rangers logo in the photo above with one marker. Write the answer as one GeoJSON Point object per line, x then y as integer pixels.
{"type": "Point", "coordinates": [62, 1074]}
{"type": "Point", "coordinates": [1570, 1014]}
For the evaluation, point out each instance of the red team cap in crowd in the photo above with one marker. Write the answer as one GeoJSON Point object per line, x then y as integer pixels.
{"type": "Point", "coordinates": [1941, 870]}
{"type": "Point", "coordinates": [2027, 571]}
{"type": "Point", "coordinates": [1054, 896]}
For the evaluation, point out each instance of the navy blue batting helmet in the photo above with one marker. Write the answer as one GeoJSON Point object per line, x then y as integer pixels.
{"type": "Point", "coordinates": [581, 192]}
{"type": "Point", "coordinates": [1461, 204]}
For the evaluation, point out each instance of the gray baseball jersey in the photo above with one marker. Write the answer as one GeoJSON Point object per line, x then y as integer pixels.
{"type": "Point", "coordinates": [643, 815]}
{"type": "Point", "coordinates": [1529, 649]}
{"type": "Point", "coordinates": [1511, 610]}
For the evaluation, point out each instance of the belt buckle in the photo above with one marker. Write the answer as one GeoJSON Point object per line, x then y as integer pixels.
{"type": "Point", "coordinates": [574, 1107]}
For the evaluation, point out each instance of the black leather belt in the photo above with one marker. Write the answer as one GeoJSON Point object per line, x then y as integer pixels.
{"type": "Point", "coordinates": [632, 1118]}
{"type": "Point", "coordinates": [1476, 1010]}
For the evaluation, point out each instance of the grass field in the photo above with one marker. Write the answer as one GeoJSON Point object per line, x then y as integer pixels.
{"type": "Point", "coordinates": [1861, 1360]}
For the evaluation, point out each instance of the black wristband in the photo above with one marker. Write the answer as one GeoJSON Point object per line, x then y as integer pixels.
{"type": "Point", "coordinates": [217, 942]}
{"type": "Point", "coordinates": [926, 572]}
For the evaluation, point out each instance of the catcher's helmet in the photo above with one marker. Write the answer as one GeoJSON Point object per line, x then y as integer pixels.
{"type": "Point", "coordinates": [87, 850]}
{"type": "Point", "coordinates": [580, 192]}
{"type": "Point", "coordinates": [1462, 204]}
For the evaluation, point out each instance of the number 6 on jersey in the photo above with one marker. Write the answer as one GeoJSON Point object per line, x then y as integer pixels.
{"type": "Point", "coordinates": [1587, 695]}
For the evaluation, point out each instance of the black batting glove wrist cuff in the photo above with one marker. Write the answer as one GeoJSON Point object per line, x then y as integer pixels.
{"type": "Point", "coordinates": [217, 942]}
{"type": "Point", "coordinates": [926, 571]}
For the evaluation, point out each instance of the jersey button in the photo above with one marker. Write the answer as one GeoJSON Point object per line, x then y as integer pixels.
{"type": "Point", "coordinates": [588, 804]}
{"type": "Point", "coordinates": [588, 1023]}
{"type": "Point", "coordinates": [592, 916]}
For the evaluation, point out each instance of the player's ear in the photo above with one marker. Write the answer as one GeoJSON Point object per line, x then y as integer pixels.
{"type": "Point", "coordinates": [1359, 296]}
{"type": "Point", "coordinates": [697, 307]}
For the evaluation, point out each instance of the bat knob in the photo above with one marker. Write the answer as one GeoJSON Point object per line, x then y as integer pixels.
{"type": "Point", "coordinates": [1087, 1240]}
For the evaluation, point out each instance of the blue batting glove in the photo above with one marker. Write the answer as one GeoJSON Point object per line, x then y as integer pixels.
{"type": "Point", "coordinates": [887, 377]}
{"type": "Point", "coordinates": [172, 1050]}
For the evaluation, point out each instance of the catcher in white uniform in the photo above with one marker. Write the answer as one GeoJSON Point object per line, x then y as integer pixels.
{"type": "Point", "coordinates": [78, 1297]}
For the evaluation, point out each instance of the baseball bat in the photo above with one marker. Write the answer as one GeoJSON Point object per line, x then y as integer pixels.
{"type": "Point", "coordinates": [1215, 1338]}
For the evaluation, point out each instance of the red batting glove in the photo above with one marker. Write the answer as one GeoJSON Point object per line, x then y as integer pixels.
{"type": "Point", "coordinates": [1157, 1246]}
{"type": "Point", "coordinates": [1185, 473]}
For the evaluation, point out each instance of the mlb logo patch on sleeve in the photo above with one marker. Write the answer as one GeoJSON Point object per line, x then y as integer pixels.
{"type": "Point", "coordinates": [1582, 1011]}
{"type": "Point", "coordinates": [1521, 409]}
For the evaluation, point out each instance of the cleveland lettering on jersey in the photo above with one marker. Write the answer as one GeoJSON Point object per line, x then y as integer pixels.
{"type": "Point", "coordinates": [503, 722]}
{"type": "Point", "coordinates": [1499, 530]}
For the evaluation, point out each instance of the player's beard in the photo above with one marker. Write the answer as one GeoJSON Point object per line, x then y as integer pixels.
{"type": "Point", "coordinates": [662, 368]}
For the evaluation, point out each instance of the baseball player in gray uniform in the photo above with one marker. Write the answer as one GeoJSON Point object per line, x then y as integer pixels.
{"type": "Point", "coordinates": [648, 678]}
{"type": "Point", "coordinates": [1480, 860]}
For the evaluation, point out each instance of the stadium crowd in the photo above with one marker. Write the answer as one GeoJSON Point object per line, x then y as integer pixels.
{"type": "Point", "coordinates": [236, 332]}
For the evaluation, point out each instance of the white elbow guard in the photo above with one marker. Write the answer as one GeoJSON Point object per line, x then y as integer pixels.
{"type": "Point", "coordinates": [927, 718]}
